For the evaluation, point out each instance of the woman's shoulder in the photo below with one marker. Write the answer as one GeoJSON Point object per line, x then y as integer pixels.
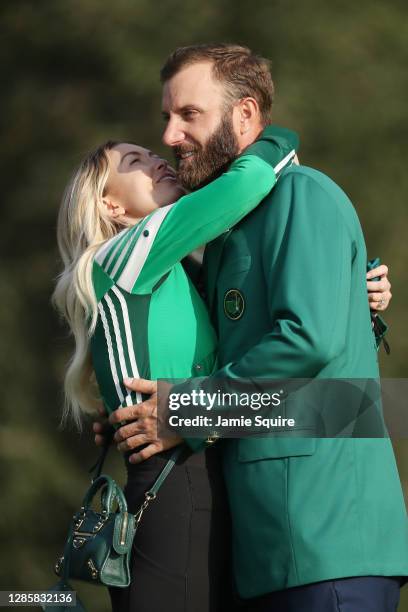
{"type": "Point", "coordinates": [113, 249]}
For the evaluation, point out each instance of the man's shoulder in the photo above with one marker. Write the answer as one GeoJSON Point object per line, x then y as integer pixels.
{"type": "Point", "coordinates": [299, 186]}
{"type": "Point", "coordinates": [302, 194]}
{"type": "Point", "coordinates": [314, 179]}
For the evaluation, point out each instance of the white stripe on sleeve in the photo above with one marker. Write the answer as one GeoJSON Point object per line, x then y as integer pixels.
{"type": "Point", "coordinates": [110, 353]}
{"type": "Point", "coordinates": [142, 249]}
{"type": "Point", "coordinates": [104, 249]}
{"type": "Point", "coordinates": [129, 339]}
{"type": "Point", "coordinates": [119, 344]}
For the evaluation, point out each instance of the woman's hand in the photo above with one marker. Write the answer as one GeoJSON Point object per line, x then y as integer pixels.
{"type": "Point", "coordinates": [101, 427]}
{"type": "Point", "coordinates": [379, 292]}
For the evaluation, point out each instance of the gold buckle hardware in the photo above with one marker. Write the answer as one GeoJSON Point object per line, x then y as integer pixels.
{"type": "Point", "coordinates": [92, 567]}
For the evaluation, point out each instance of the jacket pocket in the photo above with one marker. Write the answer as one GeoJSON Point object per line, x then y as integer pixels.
{"type": "Point", "coordinates": [257, 449]}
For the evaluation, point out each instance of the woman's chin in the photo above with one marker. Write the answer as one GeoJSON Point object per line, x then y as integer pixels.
{"type": "Point", "coordinates": [173, 195]}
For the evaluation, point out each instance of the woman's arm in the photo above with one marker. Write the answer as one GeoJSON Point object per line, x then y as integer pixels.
{"type": "Point", "coordinates": [171, 232]}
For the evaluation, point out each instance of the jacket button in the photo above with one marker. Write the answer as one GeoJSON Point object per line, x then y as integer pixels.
{"type": "Point", "coordinates": [197, 366]}
{"type": "Point", "coordinates": [213, 437]}
{"type": "Point", "coordinates": [146, 232]}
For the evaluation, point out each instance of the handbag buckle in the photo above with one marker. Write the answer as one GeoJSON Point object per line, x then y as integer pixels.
{"type": "Point", "coordinates": [93, 570]}
{"type": "Point", "coordinates": [150, 496]}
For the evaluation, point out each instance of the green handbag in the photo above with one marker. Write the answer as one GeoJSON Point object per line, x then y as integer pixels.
{"type": "Point", "coordinates": [99, 543]}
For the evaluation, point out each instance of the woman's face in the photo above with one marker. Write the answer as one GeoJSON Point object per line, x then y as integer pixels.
{"type": "Point", "coordinates": [139, 182]}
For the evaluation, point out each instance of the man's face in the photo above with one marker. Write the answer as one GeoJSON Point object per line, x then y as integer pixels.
{"type": "Point", "coordinates": [199, 125]}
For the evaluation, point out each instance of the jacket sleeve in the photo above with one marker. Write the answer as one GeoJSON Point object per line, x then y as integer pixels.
{"type": "Point", "coordinates": [174, 231]}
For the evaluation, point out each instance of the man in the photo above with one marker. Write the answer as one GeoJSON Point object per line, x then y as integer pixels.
{"type": "Point", "coordinates": [318, 524]}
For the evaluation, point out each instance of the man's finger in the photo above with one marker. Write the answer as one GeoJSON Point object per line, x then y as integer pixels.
{"type": "Point", "coordinates": [145, 453]}
{"type": "Point", "coordinates": [133, 442]}
{"type": "Point", "coordinates": [128, 431]}
{"type": "Point", "coordinates": [378, 271]}
{"type": "Point", "coordinates": [155, 447]}
{"type": "Point", "coordinates": [141, 384]}
{"type": "Point", "coordinates": [130, 413]}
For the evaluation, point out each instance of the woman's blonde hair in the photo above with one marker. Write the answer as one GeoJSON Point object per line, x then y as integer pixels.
{"type": "Point", "coordinates": [83, 225]}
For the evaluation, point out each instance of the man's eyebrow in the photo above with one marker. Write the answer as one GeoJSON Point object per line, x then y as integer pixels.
{"type": "Point", "coordinates": [183, 109]}
{"type": "Point", "coordinates": [189, 107]}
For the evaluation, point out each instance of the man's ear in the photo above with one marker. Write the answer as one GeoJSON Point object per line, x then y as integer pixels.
{"type": "Point", "coordinates": [247, 114]}
{"type": "Point", "coordinates": [113, 210]}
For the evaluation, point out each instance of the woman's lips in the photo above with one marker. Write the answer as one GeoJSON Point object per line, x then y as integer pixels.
{"type": "Point", "coordinates": [168, 175]}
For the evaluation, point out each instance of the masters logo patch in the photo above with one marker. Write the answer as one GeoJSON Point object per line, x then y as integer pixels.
{"type": "Point", "coordinates": [234, 304]}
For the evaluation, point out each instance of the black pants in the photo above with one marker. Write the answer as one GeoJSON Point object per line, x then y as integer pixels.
{"type": "Point", "coordinates": [361, 594]}
{"type": "Point", "coordinates": [181, 551]}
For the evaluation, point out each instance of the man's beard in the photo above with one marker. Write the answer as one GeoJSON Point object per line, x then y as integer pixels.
{"type": "Point", "coordinates": [209, 160]}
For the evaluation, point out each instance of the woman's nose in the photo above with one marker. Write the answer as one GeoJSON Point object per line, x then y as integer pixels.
{"type": "Point", "coordinates": [159, 164]}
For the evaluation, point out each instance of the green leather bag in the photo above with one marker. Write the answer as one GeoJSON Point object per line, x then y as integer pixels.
{"type": "Point", "coordinates": [99, 543]}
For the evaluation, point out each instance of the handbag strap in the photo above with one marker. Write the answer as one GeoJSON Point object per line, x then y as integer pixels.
{"type": "Point", "coordinates": [151, 494]}
{"type": "Point", "coordinates": [98, 465]}
{"type": "Point", "coordinates": [166, 470]}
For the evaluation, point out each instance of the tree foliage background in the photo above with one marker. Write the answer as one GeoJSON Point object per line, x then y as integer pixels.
{"type": "Point", "coordinates": [77, 72]}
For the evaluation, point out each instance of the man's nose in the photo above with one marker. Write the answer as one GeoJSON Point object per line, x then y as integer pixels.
{"type": "Point", "coordinates": [173, 135]}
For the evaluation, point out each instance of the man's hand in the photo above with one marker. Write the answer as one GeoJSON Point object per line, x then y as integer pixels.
{"type": "Point", "coordinates": [379, 294]}
{"type": "Point", "coordinates": [141, 424]}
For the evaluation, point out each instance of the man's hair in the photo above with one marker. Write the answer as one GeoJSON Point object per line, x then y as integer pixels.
{"type": "Point", "coordinates": [243, 73]}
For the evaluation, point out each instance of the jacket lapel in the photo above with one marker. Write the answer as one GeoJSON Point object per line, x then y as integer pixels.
{"type": "Point", "coordinates": [211, 263]}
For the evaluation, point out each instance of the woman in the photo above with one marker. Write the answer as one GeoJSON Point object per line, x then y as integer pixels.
{"type": "Point", "coordinates": [123, 229]}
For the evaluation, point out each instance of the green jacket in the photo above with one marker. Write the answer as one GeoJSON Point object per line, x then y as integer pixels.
{"type": "Point", "coordinates": [303, 509]}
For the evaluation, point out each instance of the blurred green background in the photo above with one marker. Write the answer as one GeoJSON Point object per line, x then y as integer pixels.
{"type": "Point", "coordinates": [77, 72]}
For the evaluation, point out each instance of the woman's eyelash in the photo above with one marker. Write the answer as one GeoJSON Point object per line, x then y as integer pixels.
{"type": "Point", "coordinates": [134, 160]}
